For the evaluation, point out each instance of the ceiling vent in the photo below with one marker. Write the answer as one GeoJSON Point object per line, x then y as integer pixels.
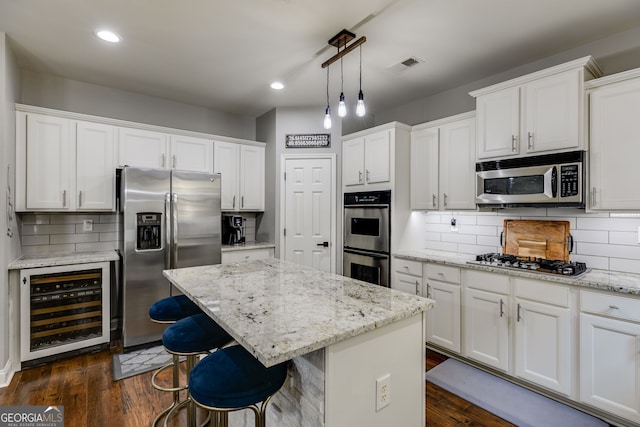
{"type": "Point", "coordinates": [406, 64]}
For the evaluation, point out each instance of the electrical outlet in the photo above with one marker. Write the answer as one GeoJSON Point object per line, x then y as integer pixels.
{"type": "Point", "coordinates": [454, 224]}
{"type": "Point", "coordinates": [383, 391]}
{"type": "Point", "coordinates": [87, 225]}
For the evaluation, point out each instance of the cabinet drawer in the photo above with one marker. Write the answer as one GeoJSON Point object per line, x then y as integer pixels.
{"type": "Point", "coordinates": [491, 282]}
{"type": "Point", "coordinates": [626, 308]}
{"type": "Point", "coordinates": [540, 291]}
{"type": "Point", "coordinates": [407, 283]}
{"type": "Point", "coordinates": [246, 255]}
{"type": "Point", "coordinates": [443, 273]}
{"type": "Point", "coordinates": [408, 267]}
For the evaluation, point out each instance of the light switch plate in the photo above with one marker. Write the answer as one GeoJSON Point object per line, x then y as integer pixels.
{"type": "Point", "coordinates": [87, 225]}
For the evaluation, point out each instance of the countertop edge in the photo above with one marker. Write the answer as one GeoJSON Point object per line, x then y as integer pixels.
{"type": "Point", "coordinates": [247, 246]}
{"type": "Point", "coordinates": [613, 281]}
{"type": "Point", "coordinates": [62, 259]}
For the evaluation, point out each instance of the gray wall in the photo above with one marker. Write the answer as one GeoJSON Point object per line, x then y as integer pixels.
{"type": "Point", "coordinates": [9, 246]}
{"type": "Point", "coordinates": [272, 128]}
{"type": "Point", "coordinates": [72, 95]}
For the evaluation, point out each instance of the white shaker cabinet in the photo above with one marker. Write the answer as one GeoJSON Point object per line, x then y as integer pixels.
{"type": "Point", "coordinates": [615, 148]}
{"type": "Point", "coordinates": [367, 159]}
{"type": "Point", "coordinates": [486, 319]}
{"type": "Point", "coordinates": [142, 148]}
{"type": "Point", "coordinates": [191, 154]}
{"type": "Point", "coordinates": [443, 164]}
{"type": "Point", "coordinates": [442, 283]}
{"type": "Point", "coordinates": [95, 166]}
{"type": "Point", "coordinates": [609, 354]}
{"type": "Point", "coordinates": [407, 276]}
{"type": "Point", "coordinates": [543, 334]}
{"type": "Point", "coordinates": [242, 170]}
{"type": "Point", "coordinates": [536, 113]}
{"type": "Point", "coordinates": [50, 144]}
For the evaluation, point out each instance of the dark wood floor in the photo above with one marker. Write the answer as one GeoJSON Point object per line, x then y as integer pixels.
{"type": "Point", "coordinates": [84, 386]}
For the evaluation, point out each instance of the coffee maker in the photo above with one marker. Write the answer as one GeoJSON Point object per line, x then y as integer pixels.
{"type": "Point", "coordinates": [233, 230]}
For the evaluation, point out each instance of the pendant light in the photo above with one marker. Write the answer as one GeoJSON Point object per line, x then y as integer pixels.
{"type": "Point", "coordinates": [342, 107]}
{"type": "Point", "coordinates": [327, 111]}
{"type": "Point", "coordinates": [360, 108]}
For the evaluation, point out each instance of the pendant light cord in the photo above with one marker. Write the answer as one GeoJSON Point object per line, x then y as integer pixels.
{"type": "Point", "coordinates": [327, 86]}
{"type": "Point", "coordinates": [360, 48]}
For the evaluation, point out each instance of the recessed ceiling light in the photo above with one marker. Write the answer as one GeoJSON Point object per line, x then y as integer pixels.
{"type": "Point", "coordinates": [277, 85]}
{"type": "Point", "coordinates": [108, 36]}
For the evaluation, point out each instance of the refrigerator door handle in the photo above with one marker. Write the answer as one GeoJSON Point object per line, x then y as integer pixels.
{"type": "Point", "coordinates": [174, 219]}
{"type": "Point", "coordinates": [167, 230]}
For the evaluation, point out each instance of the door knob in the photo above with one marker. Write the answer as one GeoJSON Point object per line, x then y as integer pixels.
{"type": "Point", "coordinates": [325, 244]}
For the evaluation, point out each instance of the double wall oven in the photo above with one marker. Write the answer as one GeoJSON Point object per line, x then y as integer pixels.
{"type": "Point", "coordinates": [367, 236]}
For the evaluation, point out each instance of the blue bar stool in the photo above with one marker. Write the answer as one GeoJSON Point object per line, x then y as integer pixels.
{"type": "Point", "coordinates": [191, 337]}
{"type": "Point", "coordinates": [231, 379]}
{"type": "Point", "coordinates": [170, 310]}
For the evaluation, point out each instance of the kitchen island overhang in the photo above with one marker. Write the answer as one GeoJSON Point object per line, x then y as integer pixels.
{"type": "Point", "coordinates": [342, 335]}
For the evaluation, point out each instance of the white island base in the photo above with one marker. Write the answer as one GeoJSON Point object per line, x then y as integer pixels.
{"type": "Point", "coordinates": [336, 386]}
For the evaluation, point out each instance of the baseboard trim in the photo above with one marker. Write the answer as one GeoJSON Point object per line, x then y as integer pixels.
{"type": "Point", "coordinates": [6, 374]}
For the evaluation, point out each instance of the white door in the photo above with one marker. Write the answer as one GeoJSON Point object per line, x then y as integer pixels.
{"type": "Point", "coordinates": [191, 154]}
{"type": "Point", "coordinates": [353, 162]}
{"type": "Point", "coordinates": [95, 166]}
{"type": "Point", "coordinates": [308, 208]}
{"type": "Point", "coordinates": [377, 157]}
{"type": "Point", "coordinates": [251, 178]}
{"type": "Point", "coordinates": [499, 123]}
{"type": "Point", "coordinates": [424, 168]}
{"type": "Point", "coordinates": [443, 321]}
{"type": "Point", "coordinates": [457, 164]}
{"type": "Point", "coordinates": [142, 148]}
{"type": "Point", "coordinates": [225, 162]}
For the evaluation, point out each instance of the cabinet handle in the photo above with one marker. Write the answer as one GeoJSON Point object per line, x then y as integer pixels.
{"type": "Point", "coordinates": [242, 201]}
{"type": "Point", "coordinates": [80, 199]}
{"type": "Point", "coordinates": [433, 200]}
{"type": "Point", "coordinates": [501, 307]}
{"type": "Point", "coordinates": [359, 176]}
{"type": "Point", "coordinates": [518, 317]}
{"type": "Point", "coordinates": [593, 197]}
{"type": "Point", "coordinates": [233, 205]}
{"type": "Point", "coordinates": [173, 160]}
{"type": "Point", "coordinates": [417, 288]}
{"type": "Point", "coordinates": [614, 307]}
{"type": "Point", "coordinates": [513, 142]}
{"type": "Point", "coordinates": [530, 140]}
{"type": "Point", "coordinates": [428, 291]}
{"type": "Point", "coordinates": [445, 199]}
{"type": "Point", "coordinates": [64, 198]}
{"type": "Point", "coordinates": [163, 159]}
{"type": "Point", "coordinates": [406, 267]}
{"type": "Point", "coordinates": [367, 170]}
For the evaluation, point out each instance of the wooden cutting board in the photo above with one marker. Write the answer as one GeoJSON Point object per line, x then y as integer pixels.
{"type": "Point", "coordinates": [540, 239]}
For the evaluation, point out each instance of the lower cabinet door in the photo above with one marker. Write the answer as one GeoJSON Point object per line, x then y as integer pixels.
{"type": "Point", "coordinates": [610, 365]}
{"type": "Point", "coordinates": [443, 321]}
{"type": "Point", "coordinates": [543, 345]}
{"type": "Point", "coordinates": [486, 327]}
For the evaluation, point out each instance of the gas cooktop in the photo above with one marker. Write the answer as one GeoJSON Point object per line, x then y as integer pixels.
{"type": "Point", "coordinates": [540, 265]}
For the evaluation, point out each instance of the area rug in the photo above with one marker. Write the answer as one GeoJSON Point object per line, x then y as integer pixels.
{"type": "Point", "coordinates": [510, 402]}
{"type": "Point", "coordinates": [136, 362]}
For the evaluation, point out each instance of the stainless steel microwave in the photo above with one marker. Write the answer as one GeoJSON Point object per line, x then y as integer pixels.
{"type": "Point", "coordinates": [538, 181]}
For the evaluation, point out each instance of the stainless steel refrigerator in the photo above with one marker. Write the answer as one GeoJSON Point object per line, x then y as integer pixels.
{"type": "Point", "coordinates": [170, 219]}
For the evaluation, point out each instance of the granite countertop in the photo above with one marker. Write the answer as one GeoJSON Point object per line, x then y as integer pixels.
{"type": "Point", "coordinates": [280, 310]}
{"type": "Point", "coordinates": [247, 246]}
{"type": "Point", "coordinates": [598, 279]}
{"type": "Point", "coordinates": [49, 260]}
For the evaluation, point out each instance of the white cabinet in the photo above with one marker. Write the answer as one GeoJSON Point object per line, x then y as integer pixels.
{"type": "Point", "coordinates": [536, 113]}
{"type": "Point", "coordinates": [242, 170]}
{"type": "Point", "coordinates": [614, 136]}
{"type": "Point", "coordinates": [142, 148]}
{"type": "Point", "coordinates": [609, 354]}
{"type": "Point", "coordinates": [442, 164]}
{"type": "Point", "coordinates": [407, 276]}
{"type": "Point", "coordinates": [367, 159]}
{"type": "Point", "coordinates": [243, 255]}
{"type": "Point", "coordinates": [543, 334]}
{"type": "Point", "coordinates": [95, 166]}
{"type": "Point", "coordinates": [486, 319]}
{"type": "Point", "coordinates": [50, 143]}
{"type": "Point", "coordinates": [442, 283]}
{"type": "Point", "coordinates": [68, 164]}
{"type": "Point", "coordinates": [191, 154]}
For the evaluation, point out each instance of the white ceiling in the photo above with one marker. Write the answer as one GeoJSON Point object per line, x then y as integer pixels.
{"type": "Point", "coordinates": [223, 54]}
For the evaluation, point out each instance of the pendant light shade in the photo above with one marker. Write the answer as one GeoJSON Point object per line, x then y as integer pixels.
{"type": "Point", "coordinates": [360, 108]}
{"type": "Point", "coordinates": [342, 107]}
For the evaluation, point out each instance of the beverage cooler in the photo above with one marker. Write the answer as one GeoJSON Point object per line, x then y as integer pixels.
{"type": "Point", "coordinates": [63, 308]}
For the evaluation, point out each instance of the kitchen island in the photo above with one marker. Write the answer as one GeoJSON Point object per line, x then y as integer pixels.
{"type": "Point", "coordinates": [342, 337]}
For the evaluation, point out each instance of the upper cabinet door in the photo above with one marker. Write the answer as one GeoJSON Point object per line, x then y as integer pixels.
{"type": "Point", "coordinates": [457, 172]}
{"type": "Point", "coordinates": [614, 153]}
{"type": "Point", "coordinates": [251, 178]}
{"type": "Point", "coordinates": [377, 157]}
{"type": "Point", "coordinates": [142, 148]}
{"type": "Point", "coordinates": [498, 116]}
{"type": "Point", "coordinates": [353, 161]}
{"type": "Point", "coordinates": [191, 154]}
{"type": "Point", "coordinates": [225, 162]}
{"type": "Point", "coordinates": [424, 168]}
{"type": "Point", "coordinates": [551, 112]}
{"type": "Point", "coordinates": [95, 170]}
{"type": "Point", "coordinates": [49, 156]}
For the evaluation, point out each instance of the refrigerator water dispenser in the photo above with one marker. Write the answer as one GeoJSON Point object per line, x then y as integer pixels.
{"type": "Point", "coordinates": [148, 230]}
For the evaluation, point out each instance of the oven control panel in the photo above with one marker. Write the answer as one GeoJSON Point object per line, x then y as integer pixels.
{"type": "Point", "coordinates": [569, 180]}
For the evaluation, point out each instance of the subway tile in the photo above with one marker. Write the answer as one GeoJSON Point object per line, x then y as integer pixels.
{"type": "Point", "coordinates": [626, 265]}
{"type": "Point", "coordinates": [475, 249]}
{"type": "Point", "coordinates": [437, 228]}
{"type": "Point", "coordinates": [592, 261]}
{"type": "Point", "coordinates": [35, 240]}
{"type": "Point", "coordinates": [611, 224]}
{"type": "Point", "coordinates": [590, 236]}
{"type": "Point", "coordinates": [35, 218]}
{"type": "Point", "coordinates": [94, 247]}
{"type": "Point", "coordinates": [110, 237]}
{"type": "Point", "coordinates": [99, 228]}
{"type": "Point", "coordinates": [497, 221]}
{"type": "Point", "coordinates": [441, 246]}
{"type": "Point", "coordinates": [47, 249]}
{"type": "Point", "coordinates": [623, 237]}
{"type": "Point", "coordinates": [110, 218]}
{"type": "Point", "coordinates": [492, 241]}
{"type": "Point", "coordinates": [73, 218]}
{"type": "Point", "coordinates": [432, 218]}
{"type": "Point", "coordinates": [73, 238]}
{"type": "Point", "coordinates": [459, 238]}
{"type": "Point", "coordinates": [30, 230]}
{"type": "Point", "coordinates": [483, 230]}
{"type": "Point", "coordinates": [433, 236]}
{"type": "Point", "coordinates": [614, 251]}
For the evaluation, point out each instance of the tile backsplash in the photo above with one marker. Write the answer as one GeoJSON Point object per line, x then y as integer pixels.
{"type": "Point", "coordinates": [604, 240]}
